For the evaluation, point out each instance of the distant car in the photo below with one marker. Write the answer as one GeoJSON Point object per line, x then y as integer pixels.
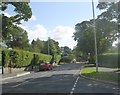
{"type": "Point", "coordinates": [45, 66]}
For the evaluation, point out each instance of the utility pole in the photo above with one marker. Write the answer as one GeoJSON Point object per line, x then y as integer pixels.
{"type": "Point", "coordinates": [96, 58]}
{"type": "Point", "coordinates": [48, 46]}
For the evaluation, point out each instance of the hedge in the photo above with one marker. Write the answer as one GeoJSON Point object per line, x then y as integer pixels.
{"type": "Point", "coordinates": [22, 58]}
{"type": "Point", "coordinates": [108, 60]}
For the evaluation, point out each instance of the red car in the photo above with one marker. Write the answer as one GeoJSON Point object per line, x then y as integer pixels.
{"type": "Point", "coordinates": [45, 66]}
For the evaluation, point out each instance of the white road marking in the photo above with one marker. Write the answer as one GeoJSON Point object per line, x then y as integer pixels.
{"type": "Point", "coordinates": [74, 86]}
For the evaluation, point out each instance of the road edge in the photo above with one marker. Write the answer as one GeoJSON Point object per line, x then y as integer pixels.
{"type": "Point", "coordinates": [17, 75]}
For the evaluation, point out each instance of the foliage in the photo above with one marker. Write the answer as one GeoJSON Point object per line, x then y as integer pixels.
{"type": "Point", "coordinates": [67, 59]}
{"type": "Point", "coordinates": [106, 33]}
{"type": "Point", "coordinates": [108, 59]}
{"type": "Point", "coordinates": [57, 58]}
{"type": "Point", "coordinates": [51, 47]}
{"type": "Point", "coordinates": [22, 58]}
{"type": "Point", "coordinates": [22, 9]}
{"type": "Point", "coordinates": [37, 46]}
{"type": "Point", "coordinates": [66, 51]}
{"type": "Point", "coordinates": [112, 10]}
{"type": "Point", "coordinates": [23, 12]}
{"type": "Point", "coordinates": [17, 38]}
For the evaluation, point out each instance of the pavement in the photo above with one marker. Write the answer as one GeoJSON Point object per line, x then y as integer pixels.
{"type": "Point", "coordinates": [14, 75]}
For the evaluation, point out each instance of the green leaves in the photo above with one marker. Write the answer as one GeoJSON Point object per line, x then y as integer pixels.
{"type": "Point", "coordinates": [106, 30]}
{"type": "Point", "coordinates": [106, 33]}
{"type": "Point", "coordinates": [23, 12]}
{"type": "Point", "coordinates": [17, 38]}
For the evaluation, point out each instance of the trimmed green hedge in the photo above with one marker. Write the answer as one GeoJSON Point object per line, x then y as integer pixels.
{"type": "Point", "coordinates": [22, 58]}
{"type": "Point", "coordinates": [108, 60]}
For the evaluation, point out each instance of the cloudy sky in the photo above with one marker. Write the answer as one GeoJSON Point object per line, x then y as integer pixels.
{"type": "Point", "coordinates": [56, 20]}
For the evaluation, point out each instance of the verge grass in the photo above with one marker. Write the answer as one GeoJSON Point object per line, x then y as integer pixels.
{"type": "Point", "coordinates": [101, 75]}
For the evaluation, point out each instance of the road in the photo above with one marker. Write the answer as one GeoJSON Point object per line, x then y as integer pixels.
{"type": "Point", "coordinates": [63, 79]}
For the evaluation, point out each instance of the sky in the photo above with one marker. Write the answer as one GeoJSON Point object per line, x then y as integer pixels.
{"type": "Point", "coordinates": [56, 20]}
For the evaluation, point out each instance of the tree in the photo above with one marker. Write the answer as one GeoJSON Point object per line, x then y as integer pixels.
{"type": "Point", "coordinates": [51, 47]}
{"type": "Point", "coordinates": [112, 10]}
{"type": "Point", "coordinates": [106, 32]}
{"type": "Point", "coordinates": [37, 46]}
{"type": "Point", "coordinates": [78, 54]}
{"type": "Point", "coordinates": [22, 9]}
{"type": "Point", "coordinates": [112, 13]}
{"type": "Point", "coordinates": [23, 12]}
{"type": "Point", "coordinates": [66, 51]}
{"type": "Point", "coordinates": [17, 38]}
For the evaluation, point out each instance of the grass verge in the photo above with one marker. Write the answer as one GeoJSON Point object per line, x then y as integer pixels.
{"type": "Point", "coordinates": [101, 75]}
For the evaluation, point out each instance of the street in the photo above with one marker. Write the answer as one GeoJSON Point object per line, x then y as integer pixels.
{"type": "Point", "coordinates": [62, 79]}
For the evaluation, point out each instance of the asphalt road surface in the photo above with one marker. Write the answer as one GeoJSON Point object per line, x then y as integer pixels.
{"type": "Point", "coordinates": [63, 79]}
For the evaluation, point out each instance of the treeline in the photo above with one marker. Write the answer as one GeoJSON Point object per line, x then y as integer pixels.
{"type": "Point", "coordinates": [106, 26]}
{"type": "Point", "coordinates": [16, 37]}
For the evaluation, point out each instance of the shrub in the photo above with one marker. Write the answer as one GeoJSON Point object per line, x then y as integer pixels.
{"type": "Point", "coordinates": [58, 57]}
{"type": "Point", "coordinates": [67, 59]}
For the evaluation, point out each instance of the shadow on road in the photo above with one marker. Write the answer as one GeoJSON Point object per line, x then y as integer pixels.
{"type": "Point", "coordinates": [57, 83]}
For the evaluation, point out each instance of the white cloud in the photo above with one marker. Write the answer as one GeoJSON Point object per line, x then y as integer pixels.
{"type": "Point", "coordinates": [63, 34]}
{"type": "Point", "coordinates": [38, 32]}
{"type": "Point", "coordinates": [33, 18]}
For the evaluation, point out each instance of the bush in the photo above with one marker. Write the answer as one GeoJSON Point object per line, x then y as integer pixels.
{"type": "Point", "coordinates": [108, 60]}
{"type": "Point", "coordinates": [92, 60]}
{"type": "Point", "coordinates": [67, 59]}
{"type": "Point", "coordinates": [58, 57]}
{"type": "Point", "coordinates": [22, 58]}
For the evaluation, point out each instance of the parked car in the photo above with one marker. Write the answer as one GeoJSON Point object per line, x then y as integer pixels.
{"type": "Point", "coordinates": [45, 66]}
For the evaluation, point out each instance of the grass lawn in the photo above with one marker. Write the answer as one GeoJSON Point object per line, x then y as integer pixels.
{"type": "Point", "coordinates": [101, 75]}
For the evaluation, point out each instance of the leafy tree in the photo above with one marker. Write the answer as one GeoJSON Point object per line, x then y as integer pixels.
{"type": "Point", "coordinates": [23, 12]}
{"type": "Point", "coordinates": [22, 9]}
{"type": "Point", "coordinates": [37, 46]}
{"type": "Point", "coordinates": [78, 54]}
{"type": "Point", "coordinates": [112, 10]}
{"type": "Point", "coordinates": [51, 47]}
{"type": "Point", "coordinates": [17, 38]}
{"type": "Point", "coordinates": [106, 33]}
{"type": "Point", "coordinates": [66, 51]}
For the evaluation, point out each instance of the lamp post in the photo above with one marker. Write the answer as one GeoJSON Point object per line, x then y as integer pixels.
{"type": "Point", "coordinates": [96, 59]}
